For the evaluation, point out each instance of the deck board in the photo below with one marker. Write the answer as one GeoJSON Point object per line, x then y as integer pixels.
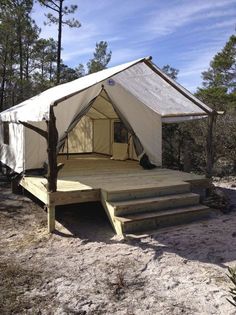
{"type": "Point", "coordinates": [91, 173]}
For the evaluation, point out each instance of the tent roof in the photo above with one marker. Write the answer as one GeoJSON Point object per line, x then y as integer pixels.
{"type": "Point", "coordinates": [141, 78]}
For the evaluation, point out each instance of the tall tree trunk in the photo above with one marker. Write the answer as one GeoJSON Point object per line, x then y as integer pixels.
{"type": "Point", "coordinates": [50, 71]}
{"type": "Point", "coordinates": [59, 42]}
{"type": "Point", "coordinates": [2, 90]}
{"type": "Point", "coordinates": [42, 69]}
{"type": "Point", "coordinates": [19, 35]}
{"type": "Point", "coordinates": [27, 65]}
{"type": "Point", "coordinates": [12, 83]}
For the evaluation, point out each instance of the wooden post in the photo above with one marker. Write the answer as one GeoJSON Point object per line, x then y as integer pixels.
{"type": "Point", "coordinates": [51, 217]}
{"type": "Point", "coordinates": [187, 156]}
{"type": "Point", "coordinates": [15, 187]}
{"type": "Point", "coordinates": [67, 146]}
{"type": "Point", "coordinates": [52, 152]}
{"type": "Point", "coordinates": [52, 168]}
{"type": "Point", "coordinates": [51, 136]}
{"type": "Point", "coordinates": [209, 149]}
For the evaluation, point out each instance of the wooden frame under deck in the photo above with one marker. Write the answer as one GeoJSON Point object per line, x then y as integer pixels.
{"type": "Point", "coordinates": [85, 178]}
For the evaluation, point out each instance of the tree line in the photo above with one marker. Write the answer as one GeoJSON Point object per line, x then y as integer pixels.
{"type": "Point", "coordinates": [30, 64]}
{"type": "Point", "coordinates": [184, 144]}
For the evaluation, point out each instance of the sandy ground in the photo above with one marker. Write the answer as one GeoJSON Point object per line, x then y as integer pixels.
{"type": "Point", "coordinates": [84, 269]}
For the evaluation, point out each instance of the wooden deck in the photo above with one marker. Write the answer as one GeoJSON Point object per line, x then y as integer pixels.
{"type": "Point", "coordinates": [84, 178]}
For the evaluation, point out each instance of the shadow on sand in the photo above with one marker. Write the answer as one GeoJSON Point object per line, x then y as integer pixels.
{"type": "Point", "coordinates": [211, 241]}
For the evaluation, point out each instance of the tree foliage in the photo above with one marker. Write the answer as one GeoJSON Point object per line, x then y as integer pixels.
{"type": "Point", "coordinates": [174, 135]}
{"type": "Point", "coordinates": [101, 58]}
{"type": "Point", "coordinates": [170, 71]}
{"type": "Point", "coordinates": [219, 92]}
{"type": "Point", "coordinates": [28, 63]}
{"type": "Point", "coordinates": [222, 71]}
{"type": "Point", "coordinates": [18, 33]}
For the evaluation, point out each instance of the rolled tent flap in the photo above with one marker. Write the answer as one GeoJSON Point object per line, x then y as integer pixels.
{"type": "Point", "coordinates": [74, 122]}
{"type": "Point", "coordinates": [137, 144]}
{"type": "Point", "coordinates": [148, 131]}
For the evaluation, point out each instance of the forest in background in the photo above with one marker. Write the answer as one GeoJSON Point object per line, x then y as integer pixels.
{"type": "Point", "coordinates": [30, 64]}
{"type": "Point", "coordinates": [184, 144]}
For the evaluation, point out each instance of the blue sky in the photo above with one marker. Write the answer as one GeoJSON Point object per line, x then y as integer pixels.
{"type": "Point", "coordinates": [183, 33]}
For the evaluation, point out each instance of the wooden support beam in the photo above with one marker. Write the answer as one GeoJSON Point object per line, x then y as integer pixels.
{"type": "Point", "coordinates": [187, 156]}
{"type": "Point", "coordinates": [51, 218]}
{"type": "Point", "coordinates": [52, 152]}
{"type": "Point", "coordinates": [42, 133]}
{"type": "Point", "coordinates": [51, 136]}
{"type": "Point", "coordinates": [183, 115]}
{"type": "Point", "coordinates": [209, 144]}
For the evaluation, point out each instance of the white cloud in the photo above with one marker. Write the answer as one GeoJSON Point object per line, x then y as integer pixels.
{"type": "Point", "coordinates": [134, 29]}
{"type": "Point", "coordinates": [190, 74]}
{"type": "Point", "coordinates": [77, 52]}
{"type": "Point", "coordinates": [166, 21]}
{"type": "Point", "coordinates": [230, 22]}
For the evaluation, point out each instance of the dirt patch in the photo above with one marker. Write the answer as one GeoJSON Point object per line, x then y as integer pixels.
{"type": "Point", "coordinates": [16, 283]}
{"type": "Point", "coordinates": [85, 269]}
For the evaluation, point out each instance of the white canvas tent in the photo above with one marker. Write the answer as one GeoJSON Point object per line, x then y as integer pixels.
{"type": "Point", "coordinates": [138, 93]}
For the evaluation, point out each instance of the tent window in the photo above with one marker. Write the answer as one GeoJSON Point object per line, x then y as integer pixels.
{"type": "Point", "coordinates": [6, 133]}
{"type": "Point", "coordinates": [120, 132]}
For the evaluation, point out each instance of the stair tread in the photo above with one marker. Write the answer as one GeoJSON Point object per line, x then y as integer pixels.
{"type": "Point", "coordinates": [148, 200]}
{"type": "Point", "coordinates": [158, 185]}
{"type": "Point", "coordinates": [160, 230]}
{"type": "Point", "coordinates": [158, 213]}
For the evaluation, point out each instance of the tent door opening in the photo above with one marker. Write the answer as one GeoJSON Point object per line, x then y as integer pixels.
{"type": "Point", "coordinates": [101, 131]}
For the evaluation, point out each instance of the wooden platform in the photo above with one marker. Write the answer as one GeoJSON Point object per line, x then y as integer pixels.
{"type": "Point", "coordinates": [91, 177]}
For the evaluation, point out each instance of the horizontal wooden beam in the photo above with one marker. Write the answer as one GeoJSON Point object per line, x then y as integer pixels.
{"type": "Point", "coordinates": [41, 132]}
{"type": "Point", "coordinates": [73, 197]}
{"type": "Point", "coordinates": [184, 115]}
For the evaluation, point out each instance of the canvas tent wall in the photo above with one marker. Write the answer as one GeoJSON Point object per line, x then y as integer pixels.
{"type": "Point", "coordinates": [138, 92]}
{"type": "Point", "coordinates": [98, 136]}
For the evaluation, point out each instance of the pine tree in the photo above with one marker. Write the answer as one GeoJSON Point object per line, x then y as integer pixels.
{"type": "Point", "coordinates": [219, 81]}
{"type": "Point", "coordinates": [18, 33]}
{"type": "Point", "coordinates": [170, 71]}
{"type": "Point", "coordinates": [60, 12]}
{"type": "Point", "coordinates": [101, 58]}
{"type": "Point", "coordinates": [45, 54]}
{"type": "Point", "coordinates": [219, 92]}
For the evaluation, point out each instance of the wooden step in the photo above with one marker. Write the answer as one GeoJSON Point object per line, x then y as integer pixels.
{"type": "Point", "coordinates": [160, 189]}
{"type": "Point", "coordinates": [157, 219]}
{"type": "Point", "coordinates": [154, 203]}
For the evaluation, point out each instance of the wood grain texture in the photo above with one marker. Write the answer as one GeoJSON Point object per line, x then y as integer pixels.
{"type": "Point", "coordinates": [95, 177]}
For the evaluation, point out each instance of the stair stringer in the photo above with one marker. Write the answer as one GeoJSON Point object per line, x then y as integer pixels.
{"type": "Point", "coordinates": [117, 225]}
{"type": "Point", "coordinates": [148, 218]}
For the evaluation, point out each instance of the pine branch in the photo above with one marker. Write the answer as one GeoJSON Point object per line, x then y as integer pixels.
{"type": "Point", "coordinates": [54, 3]}
{"type": "Point", "coordinates": [50, 7]}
